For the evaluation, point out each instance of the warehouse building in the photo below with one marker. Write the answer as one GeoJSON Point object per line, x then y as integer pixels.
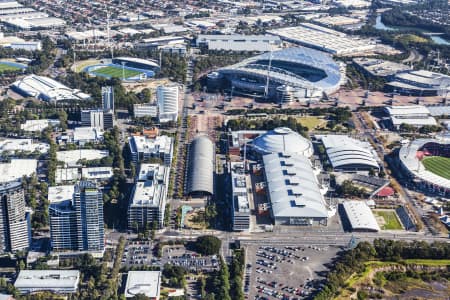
{"type": "Point", "coordinates": [347, 154]}
{"type": "Point", "coordinates": [380, 68]}
{"type": "Point", "coordinates": [413, 115]}
{"type": "Point", "coordinates": [360, 216]}
{"type": "Point", "coordinates": [16, 169]}
{"type": "Point", "coordinates": [324, 39]}
{"type": "Point", "coordinates": [238, 42]}
{"type": "Point", "coordinates": [149, 197]}
{"type": "Point", "coordinates": [200, 170]}
{"type": "Point", "coordinates": [55, 281]}
{"type": "Point", "coordinates": [295, 195]}
{"type": "Point", "coordinates": [46, 89]}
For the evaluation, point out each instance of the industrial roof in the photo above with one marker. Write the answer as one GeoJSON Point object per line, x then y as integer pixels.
{"type": "Point", "coordinates": [47, 89]}
{"type": "Point", "coordinates": [407, 110]}
{"type": "Point", "coordinates": [409, 159]}
{"type": "Point", "coordinates": [293, 187]}
{"type": "Point", "coordinates": [298, 57]}
{"type": "Point", "coordinates": [143, 282]}
{"type": "Point", "coordinates": [26, 145]}
{"type": "Point", "coordinates": [345, 151]}
{"type": "Point", "coordinates": [282, 139]}
{"type": "Point", "coordinates": [71, 157]}
{"type": "Point", "coordinates": [47, 279]}
{"type": "Point", "coordinates": [16, 169]}
{"type": "Point", "coordinates": [201, 165]}
{"type": "Point", "coordinates": [360, 216]}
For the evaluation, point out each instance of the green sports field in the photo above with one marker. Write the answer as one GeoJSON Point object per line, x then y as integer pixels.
{"type": "Point", "coordinates": [438, 165]}
{"type": "Point", "coordinates": [116, 72]}
{"type": "Point", "coordinates": [390, 220]}
{"type": "Point", "coordinates": [5, 67]}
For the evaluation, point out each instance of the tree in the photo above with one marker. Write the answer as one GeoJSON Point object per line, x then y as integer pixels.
{"type": "Point", "coordinates": [208, 245]}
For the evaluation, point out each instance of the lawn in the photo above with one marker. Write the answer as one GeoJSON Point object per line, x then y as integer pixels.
{"type": "Point", "coordinates": [391, 221]}
{"type": "Point", "coordinates": [116, 72]}
{"type": "Point", "coordinates": [311, 122]}
{"type": "Point", "coordinates": [6, 67]}
{"type": "Point", "coordinates": [438, 165]}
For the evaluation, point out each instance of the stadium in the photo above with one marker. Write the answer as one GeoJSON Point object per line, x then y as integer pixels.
{"type": "Point", "coordinates": [292, 74]}
{"type": "Point", "coordinates": [125, 68]}
{"type": "Point", "coordinates": [7, 66]}
{"type": "Point", "coordinates": [427, 162]}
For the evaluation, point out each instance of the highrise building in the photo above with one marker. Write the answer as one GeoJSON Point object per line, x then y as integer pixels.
{"type": "Point", "coordinates": [108, 98]}
{"type": "Point", "coordinates": [15, 231]}
{"type": "Point", "coordinates": [78, 224]}
{"type": "Point", "coordinates": [167, 98]}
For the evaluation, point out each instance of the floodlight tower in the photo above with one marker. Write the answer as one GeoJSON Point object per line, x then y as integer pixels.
{"type": "Point", "coordinates": [266, 89]}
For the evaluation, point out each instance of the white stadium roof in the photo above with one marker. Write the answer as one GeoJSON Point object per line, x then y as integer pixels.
{"type": "Point", "coordinates": [282, 139]}
{"type": "Point", "coordinates": [293, 187]}
{"type": "Point", "coordinates": [360, 216]}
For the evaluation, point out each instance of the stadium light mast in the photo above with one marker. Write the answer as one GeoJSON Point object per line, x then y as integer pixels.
{"type": "Point", "coordinates": [123, 70]}
{"type": "Point", "coordinates": [266, 89]}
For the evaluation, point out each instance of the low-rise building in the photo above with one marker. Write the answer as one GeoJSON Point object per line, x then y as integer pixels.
{"type": "Point", "coordinates": [56, 281]}
{"type": "Point", "coordinates": [412, 115]}
{"type": "Point", "coordinates": [145, 110]}
{"type": "Point", "coordinates": [360, 216]}
{"type": "Point", "coordinates": [83, 135]}
{"type": "Point", "coordinates": [38, 125]}
{"type": "Point", "coordinates": [420, 83]}
{"type": "Point", "coordinates": [147, 283]}
{"type": "Point", "coordinates": [240, 202]}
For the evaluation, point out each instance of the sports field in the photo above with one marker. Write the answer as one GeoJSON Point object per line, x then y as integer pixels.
{"type": "Point", "coordinates": [116, 72]}
{"type": "Point", "coordinates": [6, 67]}
{"type": "Point", "coordinates": [438, 165]}
{"type": "Point", "coordinates": [387, 219]}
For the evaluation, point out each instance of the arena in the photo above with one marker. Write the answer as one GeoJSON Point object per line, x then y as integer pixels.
{"type": "Point", "coordinates": [427, 162]}
{"type": "Point", "coordinates": [292, 74]}
{"type": "Point", "coordinates": [125, 68]}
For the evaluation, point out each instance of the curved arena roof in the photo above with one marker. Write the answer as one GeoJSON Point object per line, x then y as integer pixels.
{"type": "Point", "coordinates": [282, 139]}
{"type": "Point", "coordinates": [299, 67]}
{"type": "Point", "coordinates": [360, 216]}
{"type": "Point", "coordinates": [410, 161]}
{"type": "Point", "coordinates": [201, 166]}
{"type": "Point", "coordinates": [348, 153]}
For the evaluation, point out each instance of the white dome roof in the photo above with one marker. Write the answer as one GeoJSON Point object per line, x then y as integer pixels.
{"type": "Point", "coordinates": [282, 139]}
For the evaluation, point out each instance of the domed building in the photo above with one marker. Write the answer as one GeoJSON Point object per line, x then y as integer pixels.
{"type": "Point", "coordinates": [282, 140]}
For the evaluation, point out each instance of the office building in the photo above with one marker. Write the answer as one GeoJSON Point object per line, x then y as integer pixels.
{"type": "Point", "coordinates": [92, 118]}
{"type": "Point", "coordinates": [108, 98]}
{"type": "Point", "coordinates": [143, 148]}
{"type": "Point", "coordinates": [15, 231]}
{"type": "Point", "coordinates": [148, 200]}
{"type": "Point", "coordinates": [167, 97]}
{"type": "Point", "coordinates": [145, 110]}
{"type": "Point", "coordinates": [55, 281]}
{"type": "Point", "coordinates": [108, 119]}
{"type": "Point", "coordinates": [240, 204]}
{"type": "Point", "coordinates": [76, 223]}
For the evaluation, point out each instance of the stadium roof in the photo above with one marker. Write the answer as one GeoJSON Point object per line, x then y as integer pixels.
{"type": "Point", "coordinates": [143, 282]}
{"type": "Point", "coordinates": [409, 159]}
{"type": "Point", "coordinates": [345, 152]}
{"type": "Point", "coordinates": [201, 166]}
{"type": "Point", "coordinates": [137, 60]}
{"type": "Point", "coordinates": [283, 75]}
{"type": "Point", "coordinates": [360, 216]}
{"type": "Point", "coordinates": [282, 139]}
{"type": "Point", "coordinates": [293, 187]}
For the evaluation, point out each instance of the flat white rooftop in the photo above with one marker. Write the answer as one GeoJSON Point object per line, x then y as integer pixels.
{"type": "Point", "coordinates": [71, 157]}
{"type": "Point", "coordinates": [38, 125]}
{"type": "Point", "coordinates": [64, 281]}
{"type": "Point", "coordinates": [16, 169]}
{"type": "Point", "coordinates": [143, 282]}
{"type": "Point", "coordinates": [26, 145]}
{"type": "Point", "coordinates": [60, 193]}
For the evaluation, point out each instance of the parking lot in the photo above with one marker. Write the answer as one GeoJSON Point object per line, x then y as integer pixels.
{"type": "Point", "coordinates": [139, 253]}
{"type": "Point", "coordinates": [285, 272]}
{"type": "Point", "coordinates": [178, 255]}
